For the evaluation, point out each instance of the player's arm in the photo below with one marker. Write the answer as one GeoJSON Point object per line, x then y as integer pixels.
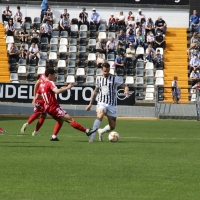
{"type": "Point", "coordinates": [63, 89]}
{"type": "Point", "coordinates": [94, 94]}
{"type": "Point", "coordinates": [36, 86]}
{"type": "Point", "coordinates": [126, 89]}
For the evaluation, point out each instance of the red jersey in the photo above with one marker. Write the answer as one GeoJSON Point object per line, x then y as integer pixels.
{"type": "Point", "coordinates": [42, 78]}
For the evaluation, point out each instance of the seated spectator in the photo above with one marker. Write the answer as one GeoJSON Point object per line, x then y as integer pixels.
{"type": "Point", "coordinates": [139, 17]}
{"type": "Point", "coordinates": [141, 29]}
{"type": "Point", "coordinates": [100, 60]}
{"type": "Point", "coordinates": [120, 19]}
{"type": "Point", "coordinates": [150, 26]}
{"type": "Point", "coordinates": [194, 63]}
{"type": "Point", "coordinates": [119, 61]}
{"type": "Point", "coordinates": [65, 24]}
{"type": "Point", "coordinates": [23, 52]}
{"type": "Point", "coordinates": [130, 27]}
{"type": "Point", "coordinates": [13, 52]}
{"type": "Point", "coordinates": [194, 22]}
{"type": "Point", "coordinates": [64, 13]}
{"type": "Point", "coordinates": [121, 37]}
{"type": "Point", "coordinates": [100, 46]}
{"type": "Point", "coordinates": [132, 22]}
{"type": "Point", "coordinates": [95, 18]}
{"type": "Point", "coordinates": [83, 18]}
{"type": "Point", "coordinates": [195, 41]}
{"type": "Point", "coordinates": [160, 25]}
{"type": "Point", "coordinates": [130, 52]}
{"type": "Point", "coordinates": [193, 52]}
{"type": "Point", "coordinates": [150, 38]}
{"type": "Point", "coordinates": [195, 87]}
{"type": "Point", "coordinates": [158, 57]}
{"type": "Point", "coordinates": [159, 41]}
{"type": "Point", "coordinates": [6, 15]}
{"type": "Point", "coordinates": [143, 22]}
{"type": "Point", "coordinates": [140, 40]}
{"type": "Point", "coordinates": [112, 21]}
{"type": "Point", "coordinates": [131, 39]}
{"type": "Point", "coordinates": [33, 52]}
{"type": "Point", "coordinates": [18, 15]}
{"type": "Point", "coordinates": [24, 36]}
{"type": "Point", "coordinates": [46, 30]}
{"type": "Point", "coordinates": [111, 46]}
{"type": "Point", "coordinates": [194, 77]}
{"type": "Point", "coordinates": [48, 15]}
{"type": "Point", "coordinates": [35, 36]}
{"type": "Point", "coordinates": [121, 50]}
{"type": "Point", "coordinates": [150, 53]}
{"type": "Point", "coordinates": [129, 16]}
{"type": "Point", "coordinates": [10, 29]}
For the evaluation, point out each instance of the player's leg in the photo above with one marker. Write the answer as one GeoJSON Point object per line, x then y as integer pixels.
{"type": "Point", "coordinates": [39, 123]}
{"type": "Point", "coordinates": [57, 128]}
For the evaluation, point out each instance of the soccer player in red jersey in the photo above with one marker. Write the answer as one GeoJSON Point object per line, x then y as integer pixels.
{"type": "Point", "coordinates": [38, 109]}
{"type": "Point", "coordinates": [48, 90]}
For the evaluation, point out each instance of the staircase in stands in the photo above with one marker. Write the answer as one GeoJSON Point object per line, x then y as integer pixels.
{"type": "Point", "coordinates": [4, 67]}
{"type": "Point", "coordinates": [176, 63]}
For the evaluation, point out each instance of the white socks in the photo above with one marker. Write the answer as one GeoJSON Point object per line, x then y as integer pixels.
{"type": "Point", "coordinates": [54, 136]}
{"type": "Point", "coordinates": [105, 129]}
{"type": "Point", "coordinates": [96, 125]}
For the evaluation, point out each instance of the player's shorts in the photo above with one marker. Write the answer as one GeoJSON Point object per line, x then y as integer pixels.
{"type": "Point", "coordinates": [108, 109]}
{"type": "Point", "coordinates": [56, 111]}
{"type": "Point", "coordinates": [39, 107]}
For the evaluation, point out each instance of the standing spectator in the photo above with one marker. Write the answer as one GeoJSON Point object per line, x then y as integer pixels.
{"type": "Point", "coordinates": [112, 21]}
{"type": "Point", "coordinates": [46, 30]}
{"type": "Point", "coordinates": [100, 60]}
{"type": "Point", "coordinates": [131, 39]}
{"type": "Point", "coordinates": [121, 37]}
{"type": "Point", "coordinates": [64, 13]}
{"type": "Point", "coordinates": [95, 18]}
{"type": "Point", "coordinates": [194, 63]}
{"type": "Point", "coordinates": [119, 61]}
{"type": "Point", "coordinates": [150, 38]}
{"type": "Point", "coordinates": [194, 77]}
{"type": "Point", "coordinates": [48, 15]}
{"type": "Point", "coordinates": [195, 21]}
{"type": "Point", "coordinates": [140, 40]}
{"type": "Point", "coordinates": [120, 19]}
{"type": "Point", "coordinates": [18, 15]}
{"type": "Point", "coordinates": [6, 14]}
{"type": "Point", "coordinates": [175, 90]}
{"type": "Point", "coordinates": [159, 41]}
{"type": "Point", "coordinates": [10, 28]}
{"type": "Point", "coordinates": [158, 57]}
{"type": "Point", "coordinates": [130, 52]}
{"type": "Point", "coordinates": [150, 26]}
{"type": "Point", "coordinates": [65, 24]}
{"type": "Point", "coordinates": [35, 36]}
{"type": "Point", "coordinates": [23, 52]}
{"type": "Point", "coordinates": [150, 53]}
{"type": "Point", "coordinates": [44, 8]}
{"type": "Point", "coordinates": [100, 47]}
{"type": "Point", "coordinates": [160, 25]}
{"type": "Point", "coordinates": [111, 46]}
{"type": "Point", "coordinates": [24, 36]}
{"type": "Point", "coordinates": [33, 52]}
{"type": "Point", "coordinates": [83, 18]}
{"type": "Point", "coordinates": [13, 52]}
{"type": "Point", "coordinates": [139, 17]}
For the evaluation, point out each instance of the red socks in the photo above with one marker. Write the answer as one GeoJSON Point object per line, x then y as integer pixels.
{"type": "Point", "coordinates": [39, 124]}
{"type": "Point", "coordinates": [32, 118]}
{"type": "Point", "coordinates": [57, 127]}
{"type": "Point", "coordinates": [76, 125]}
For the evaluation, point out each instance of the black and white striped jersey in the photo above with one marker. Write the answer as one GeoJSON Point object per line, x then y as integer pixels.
{"type": "Point", "coordinates": [108, 89]}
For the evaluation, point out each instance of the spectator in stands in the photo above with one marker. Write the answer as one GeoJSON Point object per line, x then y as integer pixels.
{"type": "Point", "coordinates": [65, 24]}
{"type": "Point", "coordinates": [111, 46]}
{"type": "Point", "coordinates": [195, 87]}
{"type": "Point", "coordinates": [130, 52]}
{"type": "Point", "coordinates": [195, 22]}
{"type": "Point", "coordinates": [18, 15]}
{"type": "Point", "coordinates": [140, 40]}
{"type": "Point", "coordinates": [194, 77]}
{"type": "Point", "coordinates": [139, 17]}
{"type": "Point", "coordinates": [100, 46]}
{"type": "Point", "coordinates": [13, 52]}
{"type": "Point", "coordinates": [158, 57]}
{"type": "Point", "coordinates": [83, 18]}
{"type": "Point", "coordinates": [159, 41]}
{"type": "Point", "coordinates": [143, 22]}
{"type": "Point", "coordinates": [24, 36]}
{"type": "Point", "coordinates": [160, 25]}
{"type": "Point", "coordinates": [64, 13]}
{"type": "Point", "coordinates": [132, 22]}
{"type": "Point", "coordinates": [120, 19]}
{"type": "Point", "coordinates": [95, 18]}
{"type": "Point", "coordinates": [195, 41]}
{"type": "Point", "coordinates": [48, 15]}
{"type": "Point", "coordinates": [193, 52]}
{"type": "Point", "coordinates": [194, 63]}
{"type": "Point", "coordinates": [175, 92]}
{"type": "Point", "coordinates": [100, 60]}
{"type": "Point", "coordinates": [150, 38]}
{"type": "Point", "coordinates": [119, 61]}
{"type": "Point", "coordinates": [10, 29]}
{"type": "Point", "coordinates": [23, 52]}
{"type": "Point", "coordinates": [120, 50]}
{"type": "Point", "coordinates": [141, 29]}
{"type": "Point", "coordinates": [121, 37]}
{"type": "Point", "coordinates": [46, 30]}
{"type": "Point", "coordinates": [6, 14]}
{"type": "Point", "coordinates": [35, 36]}
{"type": "Point", "coordinates": [150, 26]}
{"type": "Point", "coordinates": [129, 16]}
{"type": "Point", "coordinates": [150, 53]}
{"type": "Point", "coordinates": [131, 39]}
{"type": "Point", "coordinates": [33, 52]}
{"type": "Point", "coordinates": [112, 21]}
{"type": "Point", "coordinates": [130, 27]}
{"type": "Point", "coordinates": [44, 8]}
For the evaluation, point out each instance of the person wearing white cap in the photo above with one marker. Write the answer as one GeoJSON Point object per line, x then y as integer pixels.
{"type": "Point", "coordinates": [95, 18]}
{"type": "Point", "coordinates": [160, 25]}
{"type": "Point", "coordinates": [139, 17]}
{"type": "Point", "coordinates": [112, 21]}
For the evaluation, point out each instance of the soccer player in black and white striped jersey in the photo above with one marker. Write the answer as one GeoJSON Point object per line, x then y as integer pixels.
{"type": "Point", "coordinates": [106, 93]}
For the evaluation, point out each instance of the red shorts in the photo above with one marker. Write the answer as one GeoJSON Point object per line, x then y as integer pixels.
{"type": "Point", "coordinates": [39, 107]}
{"type": "Point", "coordinates": [56, 111]}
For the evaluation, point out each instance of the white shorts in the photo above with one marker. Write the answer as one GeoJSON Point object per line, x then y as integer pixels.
{"type": "Point", "coordinates": [108, 109]}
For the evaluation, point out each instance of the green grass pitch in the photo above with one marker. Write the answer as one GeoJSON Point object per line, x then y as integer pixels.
{"type": "Point", "coordinates": [153, 160]}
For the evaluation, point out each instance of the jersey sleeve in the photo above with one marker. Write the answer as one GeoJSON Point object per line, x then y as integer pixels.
{"type": "Point", "coordinates": [52, 85]}
{"type": "Point", "coordinates": [118, 81]}
{"type": "Point", "coordinates": [97, 82]}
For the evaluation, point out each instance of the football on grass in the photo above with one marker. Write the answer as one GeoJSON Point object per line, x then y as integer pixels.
{"type": "Point", "coordinates": [113, 136]}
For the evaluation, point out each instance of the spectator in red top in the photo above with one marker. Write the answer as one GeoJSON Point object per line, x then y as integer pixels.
{"type": "Point", "coordinates": [111, 21]}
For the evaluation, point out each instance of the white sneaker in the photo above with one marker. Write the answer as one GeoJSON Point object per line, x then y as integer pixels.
{"type": "Point", "coordinates": [34, 133]}
{"type": "Point", "coordinates": [23, 128]}
{"type": "Point", "coordinates": [100, 134]}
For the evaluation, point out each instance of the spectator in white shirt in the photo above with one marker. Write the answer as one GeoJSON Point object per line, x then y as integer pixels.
{"type": "Point", "coordinates": [194, 63]}
{"type": "Point", "coordinates": [33, 51]}
{"type": "Point", "coordinates": [139, 17]}
{"type": "Point", "coordinates": [150, 26]}
{"type": "Point", "coordinates": [111, 46]}
{"type": "Point", "coordinates": [194, 76]}
{"type": "Point", "coordinates": [131, 21]}
{"type": "Point", "coordinates": [18, 15]}
{"type": "Point", "coordinates": [100, 60]}
{"type": "Point", "coordinates": [6, 14]}
{"type": "Point", "coordinates": [141, 29]}
{"type": "Point", "coordinates": [46, 30]}
{"type": "Point", "coordinates": [150, 38]}
{"type": "Point", "coordinates": [120, 19]}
